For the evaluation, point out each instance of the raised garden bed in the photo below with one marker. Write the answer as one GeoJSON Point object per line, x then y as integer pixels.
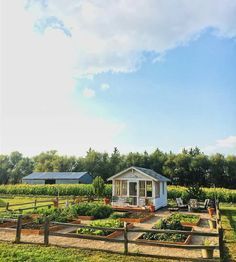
{"type": "Point", "coordinates": [137, 217]}
{"type": "Point", "coordinates": [38, 229]}
{"type": "Point", "coordinates": [86, 217]}
{"type": "Point", "coordinates": [108, 223]}
{"type": "Point", "coordinates": [173, 238]}
{"type": "Point", "coordinates": [166, 238]}
{"type": "Point", "coordinates": [185, 219]}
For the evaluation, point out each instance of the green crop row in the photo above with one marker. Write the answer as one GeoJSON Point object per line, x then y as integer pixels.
{"type": "Point", "coordinates": [223, 194]}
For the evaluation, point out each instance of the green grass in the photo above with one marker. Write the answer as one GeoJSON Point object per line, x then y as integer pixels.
{"type": "Point", "coordinates": [229, 226]}
{"type": "Point", "coordinates": [34, 253]}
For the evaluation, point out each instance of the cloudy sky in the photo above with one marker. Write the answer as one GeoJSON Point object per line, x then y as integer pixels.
{"type": "Point", "coordinates": [136, 74]}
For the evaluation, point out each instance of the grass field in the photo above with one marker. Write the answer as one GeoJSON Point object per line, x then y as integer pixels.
{"type": "Point", "coordinates": [229, 225]}
{"type": "Point", "coordinates": [22, 252]}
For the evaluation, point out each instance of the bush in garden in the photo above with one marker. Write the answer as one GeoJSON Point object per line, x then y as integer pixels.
{"type": "Point", "coordinates": [98, 186]}
{"type": "Point", "coordinates": [92, 209]}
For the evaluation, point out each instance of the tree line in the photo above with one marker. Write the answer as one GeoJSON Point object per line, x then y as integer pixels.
{"type": "Point", "coordinates": [188, 168]}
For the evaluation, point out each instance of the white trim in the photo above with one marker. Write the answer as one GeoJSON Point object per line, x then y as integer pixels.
{"type": "Point", "coordinates": [132, 168]}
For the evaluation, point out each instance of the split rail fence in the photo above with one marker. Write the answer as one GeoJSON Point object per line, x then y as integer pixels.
{"type": "Point", "coordinates": [126, 241]}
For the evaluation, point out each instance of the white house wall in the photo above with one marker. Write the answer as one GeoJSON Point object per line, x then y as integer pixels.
{"type": "Point", "coordinates": [162, 200]}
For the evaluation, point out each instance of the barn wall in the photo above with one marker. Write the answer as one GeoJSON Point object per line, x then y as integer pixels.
{"type": "Point", "coordinates": [33, 181]}
{"type": "Point", "coordinates": [86, 179]}
{"type": "Point", "coordinates": [67, 181]}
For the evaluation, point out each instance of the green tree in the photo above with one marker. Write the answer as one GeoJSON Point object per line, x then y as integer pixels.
{"type": "Point", "coordinates": [99, 186]}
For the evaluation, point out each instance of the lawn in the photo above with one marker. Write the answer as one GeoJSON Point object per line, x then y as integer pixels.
{"type": "Point", "coordinates": [33, 253]}
{"type": "Point", "coordinates": [229, 225]}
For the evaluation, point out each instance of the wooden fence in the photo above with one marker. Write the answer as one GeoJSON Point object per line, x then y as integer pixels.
{"type": "Point", "coordinates": [125, 231]}
{"type": "Point", "coordinates": [125, 241]}
{"type": "Point", "coordinates": [34, 204]}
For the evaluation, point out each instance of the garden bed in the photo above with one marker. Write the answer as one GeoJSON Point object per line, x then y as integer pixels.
{"type": "Point", "coordinates": [108, 223]}
{"type": "Point", "coordinates": [137, 217]}
{"type": "Point", "coordinates": [166, 238]}
{"type": "Point", "coordinates": [38, 229]}
{"type": "Point", "coordinates": [187, 220]}
{"type": "Point", "coordinates": [86, 217]}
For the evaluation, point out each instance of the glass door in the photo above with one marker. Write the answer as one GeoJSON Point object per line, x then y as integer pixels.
{"type": "Point", "coordinates": [133, 192]}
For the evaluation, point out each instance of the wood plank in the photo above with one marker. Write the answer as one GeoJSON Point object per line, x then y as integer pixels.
{"type": "Point", "coordinates": [73, 235]}
{"type": "Point", "coordinates": [89, 227]}
{"type": "Point", "coordinates": [156, 243]}
{"type": "Point", "coordinates": [196, 233]}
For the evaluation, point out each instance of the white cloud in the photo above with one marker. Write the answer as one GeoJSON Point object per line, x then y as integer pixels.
{"type": "Point", "coordinates": [226, 145]}
{"type": "Point", "coordinates": [88, 92]}
{"type": "Point", "coordinates": [111, 35]}
{"type": "Point", "coordinates": [38, 108]}
{"type": "Point", "coordinates": [105, 86]}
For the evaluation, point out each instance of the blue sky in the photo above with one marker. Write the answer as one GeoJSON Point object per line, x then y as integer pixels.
{"type": "Point", "coordinates": [135, 83]}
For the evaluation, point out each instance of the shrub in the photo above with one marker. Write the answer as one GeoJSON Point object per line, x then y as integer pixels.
{"type": "Point", "coordinates": [92, 209]}
{"type": "Point", "coordinates": [99, 186]}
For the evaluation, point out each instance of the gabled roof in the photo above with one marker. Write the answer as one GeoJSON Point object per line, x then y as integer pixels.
{"type": "Point", "coordinates": [55, 175]}
{"type": "Point", "coordinates": [148, 172]}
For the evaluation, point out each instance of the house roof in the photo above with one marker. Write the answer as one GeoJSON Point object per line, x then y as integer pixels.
{"type": "Point", "coordinates": [149, 172]}
{"type": "Point", "coordinates": [55, 175]}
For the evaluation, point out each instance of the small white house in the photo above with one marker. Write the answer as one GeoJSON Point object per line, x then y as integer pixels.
{"type": "Point", "coordinates": [139, 187]}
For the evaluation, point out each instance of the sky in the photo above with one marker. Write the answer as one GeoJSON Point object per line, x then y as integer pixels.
{"type": "Point", "coordinates": [132, 74]}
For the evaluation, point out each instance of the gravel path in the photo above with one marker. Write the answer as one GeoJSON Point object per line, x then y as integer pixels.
{"type": "Point", "coordinates": [95, 244]}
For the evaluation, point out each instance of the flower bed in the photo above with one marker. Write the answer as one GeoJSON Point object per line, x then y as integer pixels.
{"type": "Point", "coordinates": [107, 223]}
{"type": "Point", "coordinates": [185, 219]}
{"type": "Point", "coordinates": [175, 238]}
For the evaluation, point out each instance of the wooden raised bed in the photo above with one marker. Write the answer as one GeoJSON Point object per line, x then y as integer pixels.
{"type": "Point", "coordinates": [113, 234]}
{"type": "Point", "coordinates": [186, 242]}
{"type": "Point", "coordinates": [86, 217]}
{"type": "Point", "coordinates": [40, 229]}
{"type": "Point", "coordinates": [13, 223]}
{"type": "Point", "coordinates": [137, 220]}
{"type": "Point", "coordinates": [8, 224]}
{"type": "Point", "coordinates": [188, 224]}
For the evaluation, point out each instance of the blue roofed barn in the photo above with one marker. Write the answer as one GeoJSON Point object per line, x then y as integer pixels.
{"type": "Point", "coordinates": [58, 178]}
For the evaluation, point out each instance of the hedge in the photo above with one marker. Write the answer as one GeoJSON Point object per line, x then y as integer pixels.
{"type": "Point", "coordinates": [223, 194]}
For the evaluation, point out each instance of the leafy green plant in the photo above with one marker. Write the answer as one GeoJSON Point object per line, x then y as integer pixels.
{"type": "Point", "coordinates": [173, 224]}
{"type": "Point", "coordinates": [108, 223]}
{"type": "Point", "coordinates": [184, 218]}
{"type": "Point", "coordinates": [116, 215]}
{"type": "Point", "coordinates": [92, 209]}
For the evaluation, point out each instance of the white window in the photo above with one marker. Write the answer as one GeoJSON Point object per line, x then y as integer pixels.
{"type": "Point", "coordinates": [124, 187]}
{"type": "Point", "coordinates": [157, 189]}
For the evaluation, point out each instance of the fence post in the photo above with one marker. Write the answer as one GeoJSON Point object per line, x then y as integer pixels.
{"type": "Point", "coordinates": [46, 231]}
{"type": "Point", "coordinates": [7, 206]}
{"type": "Point", "coordinates": [125, 239]}
{"type": "Point", "coordinates": [35, 203]}
{"type": "Point", "coordinates": [221, 241]}
{"type": "Point", "coordinates": [18, 229]}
